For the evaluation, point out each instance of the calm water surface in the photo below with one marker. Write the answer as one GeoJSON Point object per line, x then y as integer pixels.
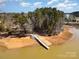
{"type": "Point", "coordinates": [68, 50]}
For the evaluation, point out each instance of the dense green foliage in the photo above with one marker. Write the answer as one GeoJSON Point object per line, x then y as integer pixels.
{"type": "Point", "coordinates": [47, 21]}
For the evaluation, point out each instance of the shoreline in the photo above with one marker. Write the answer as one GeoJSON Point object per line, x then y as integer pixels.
{"type": "Point", "coordinates": [12, 43]}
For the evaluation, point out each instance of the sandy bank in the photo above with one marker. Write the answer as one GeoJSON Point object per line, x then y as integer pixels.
{"type": "Point", "coordinates": [11, 43]}
{"type": "Point", "coordinates": [60, 38]}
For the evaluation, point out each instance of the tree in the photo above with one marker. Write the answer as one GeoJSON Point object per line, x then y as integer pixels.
{"type": "Point", "coordinates": [43, 20]}
{"type": "Point", "coordinates": [21, 20]}
{"type": "Point", "coordinates": [46, 20]}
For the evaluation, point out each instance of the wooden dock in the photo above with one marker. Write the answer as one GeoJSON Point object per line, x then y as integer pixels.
{"type": "Point", "coordinates": [43, 42]}
{"type": "Point", "coordinates": [72, 23]}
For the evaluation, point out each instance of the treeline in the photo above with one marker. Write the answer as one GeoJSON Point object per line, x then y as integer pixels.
{"type": "Point", "coordinates": [76, 13]}
{"type": "Point", "coordinates": [45, 21]}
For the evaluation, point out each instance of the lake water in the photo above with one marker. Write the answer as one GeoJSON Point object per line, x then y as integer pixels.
{"type": "Point", "coordinates": [68, 50]}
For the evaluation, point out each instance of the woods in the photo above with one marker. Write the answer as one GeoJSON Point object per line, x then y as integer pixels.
{"type": "Point", "coordinates": [45, 21]}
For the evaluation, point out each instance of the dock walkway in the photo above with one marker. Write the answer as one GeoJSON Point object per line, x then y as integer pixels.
{"type": "Point", "coordinates": [43, 42]}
